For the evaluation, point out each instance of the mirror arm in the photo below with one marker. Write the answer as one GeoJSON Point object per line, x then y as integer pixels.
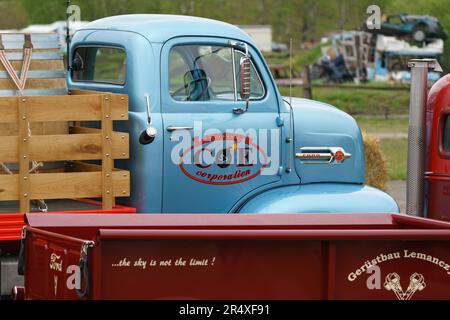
{"type": "Point", "coordinates": [240, 45]}
{"type": "Point", "coordinates": [149, 134]}
{"type": "Point", "coordinates": [147, 104]}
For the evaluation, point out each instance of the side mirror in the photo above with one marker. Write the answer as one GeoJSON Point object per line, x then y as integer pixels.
{"type": "Point", "coordinates": [245, 67]}
{"type": "Point", "coordinates": [77, 64]}
{"type": "Point", "coordinates": [244, 79]}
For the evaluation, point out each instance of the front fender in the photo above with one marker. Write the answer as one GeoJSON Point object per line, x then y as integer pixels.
{"type": "Point", "coordinates": [322, 198]}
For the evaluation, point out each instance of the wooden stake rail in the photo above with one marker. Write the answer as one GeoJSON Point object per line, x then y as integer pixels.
{"type": "Point", "coordinates": [103, 144]}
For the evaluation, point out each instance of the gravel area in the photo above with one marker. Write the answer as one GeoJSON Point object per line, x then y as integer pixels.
{"type": "Point", "coordinates": [397, 189]}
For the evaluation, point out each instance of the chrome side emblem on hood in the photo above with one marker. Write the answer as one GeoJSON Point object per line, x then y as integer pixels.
{"type": "Point", "coordinates": [322, 155]}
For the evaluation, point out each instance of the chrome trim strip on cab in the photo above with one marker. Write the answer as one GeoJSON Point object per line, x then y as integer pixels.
{"type": "Point", "coordinates": [322, 155]}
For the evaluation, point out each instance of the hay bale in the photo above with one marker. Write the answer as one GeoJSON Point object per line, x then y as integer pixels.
{"type": "Point", "coordinates": [376, 165]}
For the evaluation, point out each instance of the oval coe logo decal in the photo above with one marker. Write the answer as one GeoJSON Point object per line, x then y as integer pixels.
{"type": "Point", "coordinates": [223, 159]}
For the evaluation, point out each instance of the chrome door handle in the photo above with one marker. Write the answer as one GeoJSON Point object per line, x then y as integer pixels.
{"type": "Point", "coordinates": [172, 129]}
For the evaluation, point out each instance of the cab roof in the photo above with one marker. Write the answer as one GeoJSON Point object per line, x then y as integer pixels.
{"type": "Point", "coordinates": [161, 27]}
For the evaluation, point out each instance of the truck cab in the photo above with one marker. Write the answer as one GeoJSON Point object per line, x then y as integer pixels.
{"type": "Point", "coordinates": [437, 168]}
{"type": "Point", "coordinates": [209, 130]}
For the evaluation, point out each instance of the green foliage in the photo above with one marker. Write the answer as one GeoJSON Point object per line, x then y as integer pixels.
{"type": "Point", "coordinates": [437, 8]}
{"type": "Point", "coordinates": [303, 20]}
{"type": "Point", "coordinates": [12, 15]}
{"type": "Point", "coordinates": [394, 124]}
{"type": "Point", "coordinates": [308, 57]}
{"type": "Point", "coordinates": [361, 102]}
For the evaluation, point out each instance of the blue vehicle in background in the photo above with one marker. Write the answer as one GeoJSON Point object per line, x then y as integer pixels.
{"type": "Point", "coordinates": [209, 130]}
{"type": "Point", "coordinates": [417, 27]}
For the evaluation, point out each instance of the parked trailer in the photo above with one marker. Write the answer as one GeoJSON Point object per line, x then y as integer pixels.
{"type": "Point", "coordinates": [311, 256]}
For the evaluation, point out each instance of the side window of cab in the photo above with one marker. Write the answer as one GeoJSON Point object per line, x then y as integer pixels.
{"type": "Point", "coordinates": [446, 134]}
{"type": "Point", "coordinates": [99, 65]}
{"type": "Point", "coordinates": [208, 73]}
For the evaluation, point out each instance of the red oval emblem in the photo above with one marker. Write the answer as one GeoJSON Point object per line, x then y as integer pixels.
{"type": "Point", "coordinates": [222, 172]}
{"type": "Point", "coordinates": [339, 156]}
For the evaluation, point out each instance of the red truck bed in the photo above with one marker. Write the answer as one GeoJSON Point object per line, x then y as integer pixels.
{"type": "Point", "coordinates": [11, 223]}
{"type": "Point", "coordinates": [308, 256]}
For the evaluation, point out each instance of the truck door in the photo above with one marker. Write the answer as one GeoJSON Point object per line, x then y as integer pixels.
{"type": "Point", "coordinates": [213, 154]}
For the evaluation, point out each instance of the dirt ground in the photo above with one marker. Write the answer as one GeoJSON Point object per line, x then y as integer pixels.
{"type": "Point", "coordinates": [397, 189]}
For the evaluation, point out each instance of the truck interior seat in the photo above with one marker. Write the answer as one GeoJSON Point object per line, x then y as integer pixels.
{"type": "Point", "coordinates": [196, 84]}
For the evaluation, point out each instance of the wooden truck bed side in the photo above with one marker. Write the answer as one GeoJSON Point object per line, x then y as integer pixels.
{"type": "Point", "coordinates": [85, 180]}
{"type": "Point", "coordinates": [78, 179]}
{"type": "Point", "coordinates": [42, 142]}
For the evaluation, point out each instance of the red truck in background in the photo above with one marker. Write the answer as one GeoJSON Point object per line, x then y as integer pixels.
{"type": "Point", "coordinates": [438, 150]}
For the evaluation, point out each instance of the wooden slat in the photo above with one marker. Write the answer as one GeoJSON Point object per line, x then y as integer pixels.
{"type": "Point", "coordinates": [8, 109]}
{"type": "Point", "coordinates": [118, 101]}
{"type": "Point", "coordinates": [82, 92]}
{"type": "Point", "coordinates": [107, 160]}
{"type": "Point", "coordinates": [9, 187]}
{"type": "Point", "coordinates": [65, 185]}
{"type": "Point", "coordinates": [116, 134]}
{"type": "Point", "coordinates": [9, 151]}
{"type": "Point", "coordinates": [64, 147]}
{"type": "Point", "coordinates": [40, 51]}
{"type": "Point", "coordinates": [33, 92]}
{"type": "Point", "coordinates": [37, 128]}
{"type": "Point", "coordinates": [47, 55]}
{"type": "Point", "coordinates": [35, 37]}
{"type": "Point", "coordinates": [120, 141]}
{"type": "Point", "coordinates": [40, 74]}
{"type": "Point", "coordinates": [42, 65]}
{"type": "Point", "coordinates": [23, 155]}
{"type": "Point", "coordinates": [84, 107]}
{"type": "Point", "coordinates": [75, 147]}
{"type": "Point", "coordinates": [54, 83]}
{"type": "Point", "coordinates": [41, 45]}
{"type": "Point", "coordinates": [72, 108]}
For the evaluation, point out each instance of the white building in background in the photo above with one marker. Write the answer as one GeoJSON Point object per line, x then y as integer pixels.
{"type": "Point", "coordinates": [261, 34]}
{"type": "Point", "coordinates": [58, 27]}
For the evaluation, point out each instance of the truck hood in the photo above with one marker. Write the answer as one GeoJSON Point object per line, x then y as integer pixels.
{"type": "Point", "coordinates": [321, 129]}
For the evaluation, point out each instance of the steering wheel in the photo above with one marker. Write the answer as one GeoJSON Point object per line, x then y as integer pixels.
{"type": "Point", "coordinates": [188, 86]}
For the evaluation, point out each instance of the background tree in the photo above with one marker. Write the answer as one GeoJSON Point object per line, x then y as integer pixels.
{"type": "Point", "coordinates": [304, 20]}
{"type": "Point", "coordinates": [12, 15]}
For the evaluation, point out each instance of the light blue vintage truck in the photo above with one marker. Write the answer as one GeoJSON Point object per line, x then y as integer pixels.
{"type": "Point", "coordinates": [209, 130]}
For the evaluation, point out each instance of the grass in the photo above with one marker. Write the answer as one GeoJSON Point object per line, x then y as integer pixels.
{"type": "Point", "coordinates": [379, 124]}
{"type": "Point", "coordinates": [308, 57]}
{"type": "Point", "coordinates": [359, 102]}
{"type": "Point", "coordinates": [300, 59]}
{"type": "Point", "coordinates": [355, 102]}
{"type": "Point", "coordinates": [369, 108]}
{"type": "Point", "coordinates": [395, 151]}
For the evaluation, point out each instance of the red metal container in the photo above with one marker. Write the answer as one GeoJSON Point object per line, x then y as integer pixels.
{"type": "Point", "coordinates": [310, 256]}
{"type": "Point", "coordinates": [438, 154]}
{"type": "Point", "coordinates": [11, 224]}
